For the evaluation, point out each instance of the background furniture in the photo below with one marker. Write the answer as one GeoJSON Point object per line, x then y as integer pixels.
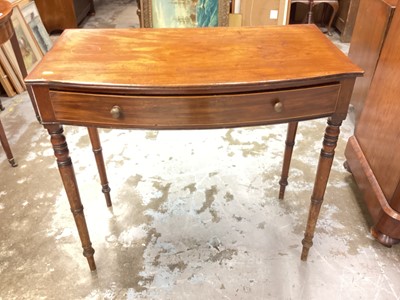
{"type": "Point", "coordinates": [58, 15]}
{"type": "Point", "coordinates": [369, 35]}
{"type": "Point", "coordinates": [7, 33]}
{"type": "Point", "coordinates": [373, 154]}
{"type": "Point", "coordinates": [334, 4]}
{"type": "Point", "coordinates": [346, 18]}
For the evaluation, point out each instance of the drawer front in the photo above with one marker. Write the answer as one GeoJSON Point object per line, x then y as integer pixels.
{"type": "Point", "coordinates": [194, 111]}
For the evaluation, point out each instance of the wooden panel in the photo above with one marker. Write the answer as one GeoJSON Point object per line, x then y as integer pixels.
{"type": "Point", "coordinates": [378, 130]}
{"type": "Point", "coordinates": [195, 112]}
{"type": "Point", "coordinates": [257, 12]}
{"type": "Point", "coordinates": [346, 18]}
{"type": "Point", "coordinates": [366, 44]}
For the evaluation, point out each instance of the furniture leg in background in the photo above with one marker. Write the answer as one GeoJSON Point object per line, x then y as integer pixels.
{"type": "Point", "coordinates": [334, 4]}
{"type": "Point", "coordinates": [6, 146]}
{"type": "Point", "coordinates": [98, 154]}
{"type": "Point", "coordinates": [290, 140]}
{"type": "Point", "coordinates": [6, 33]}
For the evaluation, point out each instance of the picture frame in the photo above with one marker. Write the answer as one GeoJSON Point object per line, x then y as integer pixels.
{"type": "Point", "coordinates": [184, 13]}
{"type": "Point", "coordinates": [30, 49]}
{"type": "Point", "coordinates": [20, 3]}
{"type": "Point", "coordinates": [32, 18]}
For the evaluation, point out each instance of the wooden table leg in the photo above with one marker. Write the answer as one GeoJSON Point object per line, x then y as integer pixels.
{"type": "Point", "coordinates": [67, 173]}
{"type": "Point", "coordinates": [98, 154]}
{"type": "Point", "coordinates": [324, 167]}
{"type": "Point", "coordinates": [6, 146]}
{"type": "Point", "coordinates": [289, 144]}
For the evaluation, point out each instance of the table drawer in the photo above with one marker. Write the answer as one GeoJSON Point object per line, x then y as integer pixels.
{"type": "Point", "coordinates": [211, 111]}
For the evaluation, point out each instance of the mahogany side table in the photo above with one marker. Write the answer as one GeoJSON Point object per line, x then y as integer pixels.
{"type": "Point", "coordinates": [197, 78]}
{"type": "Point", "coordinates": [7, 33]}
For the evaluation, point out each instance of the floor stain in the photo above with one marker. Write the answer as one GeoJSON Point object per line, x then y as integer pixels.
{"type": "Point", "coordinates": [229, 197]}
{"type": "Point", "coordinates": [191, 187]}
{"type": "Point", "coordinates": [156, 203]}
{"type": "Point", "coordinates": [261, 225]}
{"type": "Point", "coordinates": [226, 254]}
{"type": "Point", "coordinates": [248, 148]}
{"type": "Point", "coordinates": [210, 197]}
{"type": "Point", "coordinates": [179, 266]}
{"type": "Point", "coordinates": [152, 135]}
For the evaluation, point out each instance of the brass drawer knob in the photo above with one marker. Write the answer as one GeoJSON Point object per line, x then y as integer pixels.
{"type": "Point", "coordinates": [278, 106]}
{"type": "Point", "coordinates": [116, 112]}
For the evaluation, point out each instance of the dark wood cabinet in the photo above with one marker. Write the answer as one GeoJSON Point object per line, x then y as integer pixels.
{"type": "Point", "coordinates": [58, 15]}
{"type": "Point", "coordinates": [373, 154]}
{"type": "Point", "coordinates": [346, 18]}
{"type": "Point", "coordinates": [372, 24]}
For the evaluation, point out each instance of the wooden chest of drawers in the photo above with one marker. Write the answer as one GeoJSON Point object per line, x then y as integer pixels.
{"type": "Point", "coordinates": [58, 15]}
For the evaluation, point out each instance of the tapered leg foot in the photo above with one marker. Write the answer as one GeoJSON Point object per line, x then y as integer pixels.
{"type": "Point", "coordinates": [6, 146]}
{"type": "Point", "coordinates": [12, 162]}
{"type": "Point", "coordinates": [98, 154]}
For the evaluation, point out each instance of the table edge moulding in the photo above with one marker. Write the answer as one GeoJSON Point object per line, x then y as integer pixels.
{"type": "Point", "coordinates": [195, 78]}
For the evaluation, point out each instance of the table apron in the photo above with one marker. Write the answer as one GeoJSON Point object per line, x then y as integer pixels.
{"type": "Point", "coordinates": [194, 112]}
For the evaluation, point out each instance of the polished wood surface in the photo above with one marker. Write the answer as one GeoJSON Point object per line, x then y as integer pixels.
{"type": "Point", "coordinates": [373, 21]}
{"type": "Point", "coordinates": [159, 61]}
{"type": "Point", "coordinates": [377, 136]}
{"type": "Point", "coordinates": [165, 79]}
{"type": "Point", "coordinates": [58, 15]}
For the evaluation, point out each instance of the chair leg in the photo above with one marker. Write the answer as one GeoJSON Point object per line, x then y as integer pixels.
{"type": "Point", "coordinates": [335, 8]}
{"type": "Point", "coordinates": [290, 138]}
{"type": "Point", "coordinates": [310, 12]}
{"type": "Point", "coordinates": [1, 106]}
{"type": "Point", "coordinates": [98, 154]}
{"type": "Point", "coordinates": [6, 146]}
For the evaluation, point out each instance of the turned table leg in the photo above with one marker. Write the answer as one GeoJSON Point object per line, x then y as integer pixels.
{"type": "Point", "coordinates": [67, 173]}
{"type": "Point", "coordinates": [291, 135]}
{"type": "Point", "coordinates": [321, 179]}
{"type": "Point", "coordinates": [6, 146]}
{"type": "Point", "coordinates": [98, 154]}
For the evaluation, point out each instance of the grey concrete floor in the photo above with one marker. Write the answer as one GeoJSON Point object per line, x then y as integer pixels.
{"type": "Point", "coordinates": [195, 215]}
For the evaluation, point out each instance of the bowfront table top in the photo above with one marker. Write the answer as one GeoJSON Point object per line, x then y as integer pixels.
{"type": "Point", "coordinates": [179, 60]}
{"type": "Point", "coordinates": [190, 79]}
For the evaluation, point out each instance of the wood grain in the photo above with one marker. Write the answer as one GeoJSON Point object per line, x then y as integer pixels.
{"type": "Point", "coordinates": [183, 59]}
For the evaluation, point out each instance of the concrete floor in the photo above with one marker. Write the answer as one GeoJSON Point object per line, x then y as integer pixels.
{"type": "Point", "coordinates": [195, 215]}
